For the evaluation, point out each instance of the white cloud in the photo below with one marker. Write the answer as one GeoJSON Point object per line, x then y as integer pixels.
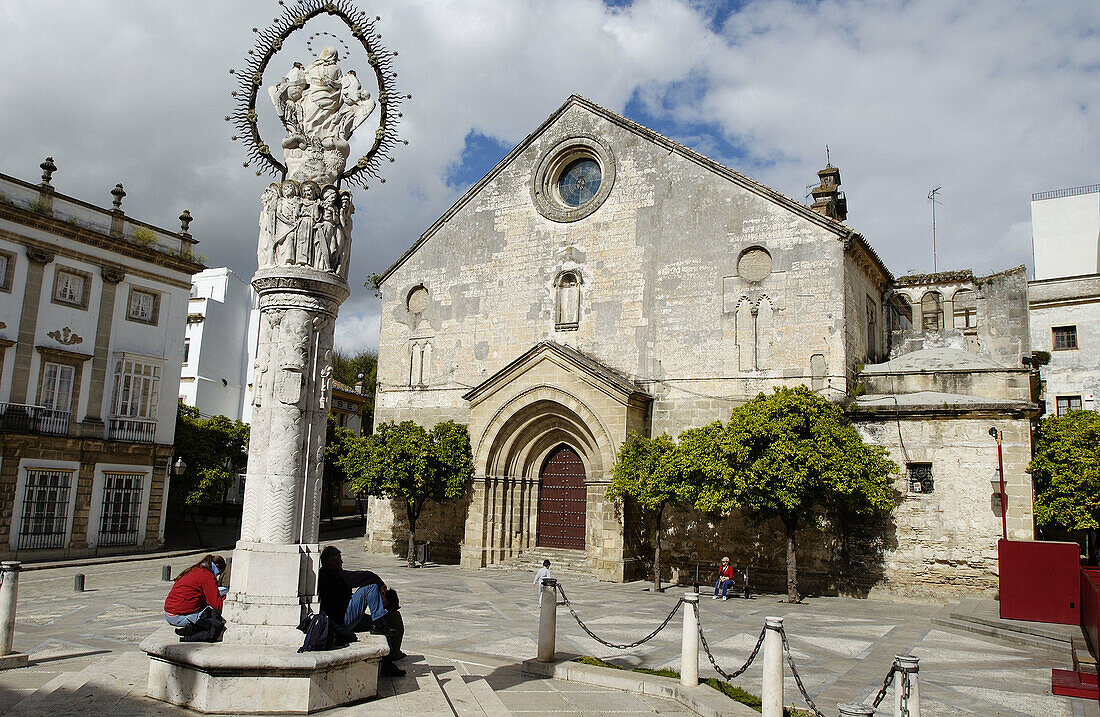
{"type": "Point", "coordinates": [993, 99]}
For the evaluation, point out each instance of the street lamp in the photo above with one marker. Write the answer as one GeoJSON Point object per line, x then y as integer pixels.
{"type": "Point", "coordinates": [999, 481]}
{"type": "Point", "coordinates": [179, 467]}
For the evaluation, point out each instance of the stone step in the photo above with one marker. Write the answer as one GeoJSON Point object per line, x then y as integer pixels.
{"type": "Point", "coordinates": [491, 705]}
{"type": "Point", "coordinates": [469, 695]}
{"type": "Point", "coordinates": [418, 692]}
{"type": "Point", "coordinates": [1013, 637]}
{"type": "Point", "coordinates": [1038, 630]}
{"type": "Point", "coordinates": [60, 690]}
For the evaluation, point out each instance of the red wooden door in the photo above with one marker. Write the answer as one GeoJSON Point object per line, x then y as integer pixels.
{"type": "Point", "coordinates": [562, 501]}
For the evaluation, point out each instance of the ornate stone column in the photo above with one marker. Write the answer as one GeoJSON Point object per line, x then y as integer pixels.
{"type": "Point", "coordinates": [276, 560]}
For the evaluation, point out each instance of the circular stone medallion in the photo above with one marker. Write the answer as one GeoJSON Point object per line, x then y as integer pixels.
{"type": "Point", "coordinates": [418, 300]}
{"type": "Point", "coordinates": [755, 264]}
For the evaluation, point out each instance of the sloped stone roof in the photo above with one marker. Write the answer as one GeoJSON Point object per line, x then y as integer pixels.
{"type": "Point", "coordinates": [936, 360]}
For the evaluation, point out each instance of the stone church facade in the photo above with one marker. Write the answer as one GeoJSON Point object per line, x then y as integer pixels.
{"type": "Point", "coordinates": [603, 279]}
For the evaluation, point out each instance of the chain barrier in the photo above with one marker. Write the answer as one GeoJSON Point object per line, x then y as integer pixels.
{"type": "Point", "coordinates": [885, 687]}
{"type": "Point", "coordinates": [602, 641]}
{"type": "Point", "coordinates": [797, 677]}
{"type": "Point", "coordinates": [706, 648]}
{"type": "Point", "coordinates": [905, 693]}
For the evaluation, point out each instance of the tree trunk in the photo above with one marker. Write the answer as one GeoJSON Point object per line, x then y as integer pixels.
{"type": "Point", "coordinates": [792, 563]}
{"type": "Point", "coordinates": [657, 552]}
{"type": "Point", "coordinates": [412, 516]}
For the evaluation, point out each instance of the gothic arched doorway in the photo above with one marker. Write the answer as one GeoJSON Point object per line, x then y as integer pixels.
{"type": "Point", "coordinates": [563, 500]}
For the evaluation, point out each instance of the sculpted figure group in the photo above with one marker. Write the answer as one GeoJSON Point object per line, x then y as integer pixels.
{"type": "Point", "coordinates": [305, 225]}
{"type": "Point", "coordinates": [320, 107]}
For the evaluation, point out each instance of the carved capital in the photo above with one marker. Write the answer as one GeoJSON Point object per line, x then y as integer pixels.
{"type": "Point", "coordinates": [112, 275]}
{"type": "Point", "coordinates": [39, 256]}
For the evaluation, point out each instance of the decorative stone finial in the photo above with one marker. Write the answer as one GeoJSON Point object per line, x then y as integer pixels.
{"type": "Point", "coordinates": [48, 168]}
{"type": "Point", "coordinates": [118, 193]}
{"type": "Point", "coordinates": [185, 221]}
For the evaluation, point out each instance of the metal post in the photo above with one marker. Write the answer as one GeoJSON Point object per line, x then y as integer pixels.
{"type": "Point", "coordinates": [1004, 498]}
{"type": "Point", "coordinates": [771, 695]}
{"type": "Point", "coordinates": [9, 587]}
{"type": "Point", "coordinates": [906, 705]}
{"type": "Point", "coordinates": [689, 643]}
{"type": "Point", "coordinates": [166, 573]}
{"type": "Point", "coordinates": [548, 619]}
{"type": "Point", "coordinates": [78, 582]}
{"type": "Point", "coordinates": [850, 710]}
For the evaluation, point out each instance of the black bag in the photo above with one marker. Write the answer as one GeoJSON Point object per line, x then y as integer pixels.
{"type": "Point", "coordinates": [318, 636]}
{"type": "Point", "coordinates": [208, 628]}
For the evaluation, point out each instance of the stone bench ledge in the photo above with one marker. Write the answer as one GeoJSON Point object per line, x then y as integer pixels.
{"type": "Point", "coordinates": [218, 657]}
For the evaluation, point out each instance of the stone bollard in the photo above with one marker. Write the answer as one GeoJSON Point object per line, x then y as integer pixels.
{"type": "Point", "coordinates": [78, 582]}
{"type": "Point", "coordinates": [166, 574]}
{"type": "Point", "coordinates": [548, 619]}
{"type": "Point", "coordinates": [771, 692]}
{"type": "Point", "coordinates": [9, 592]}
{"type": "Point", "coordinates": [906, 665]}
{"type": "Point", "coordinates": [850, 710]}
{"type": "Point", "coordinates": [689, 643]}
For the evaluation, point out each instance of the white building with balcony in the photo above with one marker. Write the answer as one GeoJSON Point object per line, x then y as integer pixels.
{"type": "Point", "coordinates": [93, 306]}
{"type": "Point", "coordinates": [219, 344]}
{"type": "Point", "coordinates": [1064, 298]}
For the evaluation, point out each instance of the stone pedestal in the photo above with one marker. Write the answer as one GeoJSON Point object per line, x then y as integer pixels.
{"type": "Point", "coordinates": [217, 678]}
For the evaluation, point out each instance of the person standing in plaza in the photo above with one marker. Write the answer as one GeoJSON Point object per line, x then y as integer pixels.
{"type": "Point", "coordinates": [543, 572]}
{"type": "Point", "coordinates": [725, 579]}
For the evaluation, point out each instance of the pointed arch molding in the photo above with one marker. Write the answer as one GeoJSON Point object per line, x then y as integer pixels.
{"type": "Point", "coordinates": [524, 430]}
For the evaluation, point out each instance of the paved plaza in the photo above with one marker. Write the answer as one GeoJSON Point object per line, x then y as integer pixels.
{"type": "Point", "coordinates": [468, 632]}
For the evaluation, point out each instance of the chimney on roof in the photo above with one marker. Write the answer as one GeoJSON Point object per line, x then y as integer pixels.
{"type": "Point", "coordinates": [829, 201]}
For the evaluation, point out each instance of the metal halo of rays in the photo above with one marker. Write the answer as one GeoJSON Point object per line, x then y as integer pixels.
{"type": "Point", "coordinates": [269, 42]}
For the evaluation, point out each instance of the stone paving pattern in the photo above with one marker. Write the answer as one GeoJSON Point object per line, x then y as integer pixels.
{"type": "Point", "coordinates": [481, 624]}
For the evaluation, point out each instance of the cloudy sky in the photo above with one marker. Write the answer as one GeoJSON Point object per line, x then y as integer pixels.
{"type": "Point", "coordinates": [992, 100]}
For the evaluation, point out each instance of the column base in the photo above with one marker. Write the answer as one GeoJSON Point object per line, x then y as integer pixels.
{"type": "Point", "coordinates": [271, 587]}
{"type": "Point", "coordinates": [13, 660]}
{"type": "Point", "coordinates": [257, 679]}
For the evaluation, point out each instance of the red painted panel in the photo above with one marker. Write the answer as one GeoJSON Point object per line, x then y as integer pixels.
{"type": "Point", "coordinates": [563, 500]}
{"type": "Point", "coordinates": [1073, 684]}
{"type": "Point", "coordinates": [1090, 606]}
{"type": "Point", "coordinates": [1040, 581]}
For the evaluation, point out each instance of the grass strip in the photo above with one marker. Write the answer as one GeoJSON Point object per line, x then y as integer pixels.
{"type": "Point", "coordinates": [732, 691]}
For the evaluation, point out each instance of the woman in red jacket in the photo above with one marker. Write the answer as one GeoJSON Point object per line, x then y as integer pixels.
{"type": "Point", "coordinates": [194, 591]}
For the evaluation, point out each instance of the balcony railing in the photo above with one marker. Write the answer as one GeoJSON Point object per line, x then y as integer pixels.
{"type": "Point", "coordinates": [132, 430]}
{"type": "Point", "coordinates": [22, 418]}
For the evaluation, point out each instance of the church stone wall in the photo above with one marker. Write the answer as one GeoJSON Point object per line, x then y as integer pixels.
{"type": "Point", "coordinates": [661, 297]}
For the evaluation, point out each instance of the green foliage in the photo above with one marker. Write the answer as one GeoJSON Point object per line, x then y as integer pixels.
{"type": "Point", "coordinates": [659, 472]}
{"type": "Point", "coordinates": [732, 691]}
{"type": "Point", "coordinates": [792, 453]}
{"type": "Point", "coordinates": [214, 449]}
{"type": "Point", "coordinates": [1039, 358]}
{"type": "Point", "coordinates": [143, 236]}
{"type": "Point", "coordinates": [1066, 471]}
{"type": "Point", "coordinates": [374, 283]}
{"type": "Point", "coordinates": [402, 461]}
{"type": "Point", "coordinates": [597, 662]}
{"type": "Point", "coordinates": [346, 368]}
{"type": "Point", "coordinates": [650, 470]}
{"type": "Point", "coordinates": [38, 207]}
{"type": "Point", "coordinates": [338, 441]}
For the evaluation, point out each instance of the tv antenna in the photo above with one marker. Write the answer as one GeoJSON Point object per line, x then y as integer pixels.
{"type": "Point", "coordinates": [932, 198]}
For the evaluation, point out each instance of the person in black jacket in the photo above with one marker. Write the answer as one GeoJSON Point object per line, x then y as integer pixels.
{"type": "Point", "coordinates": [354, 599]}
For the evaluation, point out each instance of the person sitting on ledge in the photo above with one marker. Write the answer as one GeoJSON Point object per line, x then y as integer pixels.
{"type": "Point", "coordinates": [195, 591]}
{"type": "Point", "coordinates": [354, 599]}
